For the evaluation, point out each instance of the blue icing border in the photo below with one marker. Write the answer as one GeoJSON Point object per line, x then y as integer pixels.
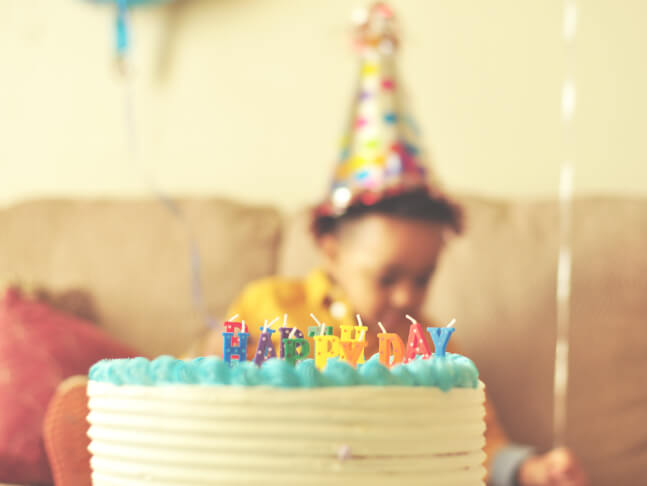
{"type": "Point", "coordinates": [451, 371]}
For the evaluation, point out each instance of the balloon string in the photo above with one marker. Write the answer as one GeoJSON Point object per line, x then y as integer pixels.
{"type": "Point", "coordinates": [564, 264]}
{"type": "Point", "coordinates": [195, 258]}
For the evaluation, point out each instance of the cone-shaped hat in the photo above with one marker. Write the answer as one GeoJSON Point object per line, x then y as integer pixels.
{"type": "Point", "coordinates": [380, 155]}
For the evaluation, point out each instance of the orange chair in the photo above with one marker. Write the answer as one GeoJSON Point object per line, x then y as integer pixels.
{"type": "Point", "coordinates": [65, 432]}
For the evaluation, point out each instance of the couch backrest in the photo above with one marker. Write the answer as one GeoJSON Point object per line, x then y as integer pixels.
{"type": "Point", "coordinates": [134, 259]}
{"type": "Point", "coordinates": [499, 281]}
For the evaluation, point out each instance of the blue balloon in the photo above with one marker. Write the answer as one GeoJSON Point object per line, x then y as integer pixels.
{"type": "Point", "coordinates": [132, 2]}
{"type": "Point", "coordinates": [122, 30]}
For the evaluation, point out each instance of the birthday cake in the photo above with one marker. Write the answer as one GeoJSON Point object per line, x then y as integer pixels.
{"type": "Point", "coordinates": [212, 421]}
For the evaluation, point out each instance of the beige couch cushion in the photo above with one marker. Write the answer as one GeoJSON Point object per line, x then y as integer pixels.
{"type": "Point", "coordinates": [134, 258]}
{"type": "Point", "coordinates": [498, 280]}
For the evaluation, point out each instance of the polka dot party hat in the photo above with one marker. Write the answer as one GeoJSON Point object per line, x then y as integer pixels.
{"type": "Point", "coordinates": [380, 155]}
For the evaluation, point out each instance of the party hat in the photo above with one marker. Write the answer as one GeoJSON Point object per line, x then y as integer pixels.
{"type": "Point", "coordinates": [379, 154]}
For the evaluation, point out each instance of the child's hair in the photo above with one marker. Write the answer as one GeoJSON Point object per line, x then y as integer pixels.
{"type": "Point", "coordinates": [416, 205]}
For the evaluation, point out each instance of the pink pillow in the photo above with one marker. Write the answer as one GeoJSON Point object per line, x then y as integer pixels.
{"type": "Point", "coordinates": [39, 348]}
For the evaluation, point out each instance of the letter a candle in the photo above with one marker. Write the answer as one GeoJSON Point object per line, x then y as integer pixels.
{"type": "Point", "coordinates": [265, 348]}
{"type": "Point", "coordinates": [416, 344]}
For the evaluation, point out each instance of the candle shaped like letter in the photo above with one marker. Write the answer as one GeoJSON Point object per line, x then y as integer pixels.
{"type": "Point", "coordinates": [232, 326]}
{"type": "Point", "coordinates": [440, 336]}
{"type": "Point", "coordinates": [288, 333]}
{"type": "Point", "coordinates": [265, 348]}
{"type": "Point", "coordinates": [349, 334]}
{"type": "Point", "coordinates": [317, 331]}
{"type": "Point", "coordinates": [231, 350]}
{"type": "Point", "coordinates": [353, 351]}
{"type": "Point", "coordinates": [326, 346]}
{"type": "Point", "coordinates": [416, 344]}
{"type": "Point", "coordinates": [391, 347]}
{"type": "Point", "coordinates": [295, 349]}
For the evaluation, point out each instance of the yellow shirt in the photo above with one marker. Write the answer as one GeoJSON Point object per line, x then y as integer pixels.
{"type": "Point", "coordinates": [273, 297]}
{"type": "Point", "coordinates": [298, 298]}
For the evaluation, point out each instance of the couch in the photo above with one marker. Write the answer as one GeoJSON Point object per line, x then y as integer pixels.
{"type": "Point", "coordinates": [134, 258]}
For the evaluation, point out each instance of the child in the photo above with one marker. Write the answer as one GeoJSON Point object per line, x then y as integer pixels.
{"type": "Point", "coordinates": [378, 261]}
{"type": "Point", "coordinates": [381, 232]}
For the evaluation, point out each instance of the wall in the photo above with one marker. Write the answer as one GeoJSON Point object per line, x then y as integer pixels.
{"type": "Point", "coordinates": [247, 98]}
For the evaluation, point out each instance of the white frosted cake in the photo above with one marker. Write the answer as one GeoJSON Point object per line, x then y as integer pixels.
{"type": "Point", "coordinates": [200, 422]}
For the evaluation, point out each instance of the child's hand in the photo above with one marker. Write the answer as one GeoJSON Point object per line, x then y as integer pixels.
{"type": "Point", "coordinates": [558, 467]}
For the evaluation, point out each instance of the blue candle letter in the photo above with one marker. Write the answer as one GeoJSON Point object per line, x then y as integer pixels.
{"type": "Point", "coordinates": [239, 352]}
{"type": "Point", "coordinates": [440, 336]}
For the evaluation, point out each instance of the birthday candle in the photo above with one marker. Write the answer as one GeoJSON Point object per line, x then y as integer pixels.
{"type": "Point", "coordinates": [440, 336]}
{"type": "Point", "coordinates": [317, 331]}
{"type": "Point", "coordinates": [351, 351]}
{"type": "Point", "coordinates": [326, 346]}
{"type": "Point", "coordinates": [391, 345]}
{"type": "Point", "coordinates": [346, 335]}
{"type": "Point", "coordinates": [286, 333]}
{"type": "Point", "coordinates": [416, 344]}
{"type": "Point", "coordinates": [231, 350]}
{"type": "Point", "coordinates": [265, 348]}
{"type": "Point", "coordinates": [320, 329]}
{"type": "Point", "coordinates": [291, 344]}
{"type": "Point", "coordinates": [232, 326]}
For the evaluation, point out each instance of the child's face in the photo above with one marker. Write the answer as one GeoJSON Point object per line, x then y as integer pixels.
{"type": "Point", "coordinates": [384, 265]}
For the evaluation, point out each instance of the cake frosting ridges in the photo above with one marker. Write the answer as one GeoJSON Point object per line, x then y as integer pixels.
{"type": "Point", "coordinates": [209, 422]}
{"type": "Point", "coordinates": [203, 435]}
